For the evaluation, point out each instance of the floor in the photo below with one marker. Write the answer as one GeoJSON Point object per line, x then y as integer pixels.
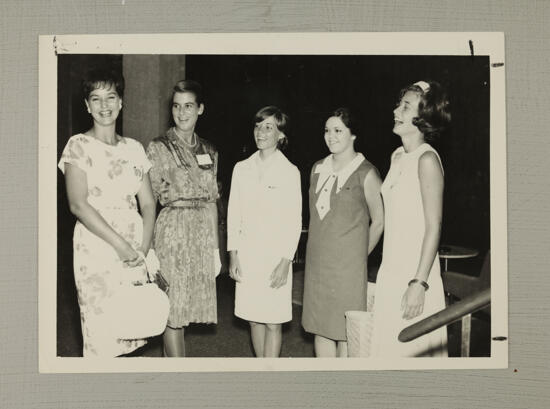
{"type": "Point", "coordinates": [230, 337]}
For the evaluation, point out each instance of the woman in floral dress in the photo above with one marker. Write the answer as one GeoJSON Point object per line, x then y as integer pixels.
{"type": "Point", "coordinates": [104, 172]}
{"type": "Point", "coordinates": [183, 177]}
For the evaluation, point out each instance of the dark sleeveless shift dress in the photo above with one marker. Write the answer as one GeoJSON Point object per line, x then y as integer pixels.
{"type": "Point", "coordinates": [336, 257]}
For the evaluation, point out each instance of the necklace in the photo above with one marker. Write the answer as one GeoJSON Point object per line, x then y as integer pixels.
{"type": "Point", "coordinates": [194, 137]}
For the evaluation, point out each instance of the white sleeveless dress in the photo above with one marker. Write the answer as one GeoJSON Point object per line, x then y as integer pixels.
{"type": "Point", "coordinates": [403, 234]}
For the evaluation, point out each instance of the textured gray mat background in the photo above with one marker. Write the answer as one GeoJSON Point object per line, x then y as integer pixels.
{"type": "Point", "coordinates": [528, 78]}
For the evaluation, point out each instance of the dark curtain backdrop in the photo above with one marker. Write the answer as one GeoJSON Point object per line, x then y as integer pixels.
{"type": "Point", "coordinates": [308, 89]}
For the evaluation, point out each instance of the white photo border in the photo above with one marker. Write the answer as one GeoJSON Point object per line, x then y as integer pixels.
{"type": "Point", "coordinates": [445, 44]}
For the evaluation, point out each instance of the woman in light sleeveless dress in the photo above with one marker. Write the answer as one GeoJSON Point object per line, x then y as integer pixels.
{"type": "Point", "coordinates": [346, 222]}
{"type": "Point", "coordinates": [409, 286]}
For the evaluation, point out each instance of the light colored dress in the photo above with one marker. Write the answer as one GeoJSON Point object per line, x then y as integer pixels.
{"type": "Point", "coordinates": [337, 245]}
{"type": "Point", "coordinates": [184, 236]}
{"type": "Point", "coordinates": [264, 223]}
{"type": "Point", "coordinates": [404, 228]}
{"type": "Point", "coordinates": [114, 175]}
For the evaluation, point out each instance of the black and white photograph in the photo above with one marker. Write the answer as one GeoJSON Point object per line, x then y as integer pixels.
{"type": "Point", "coordinates": [329, 201]}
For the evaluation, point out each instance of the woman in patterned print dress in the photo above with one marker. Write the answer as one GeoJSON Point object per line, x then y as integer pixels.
{"type": "Point", "coordinates": [409, 286]}
{"type": "Point", "coordinates": [346, 222]}
{"type": "Point", "coordinates": [183, 177]}
{"type": "Point", "coordinates": [104, 172]}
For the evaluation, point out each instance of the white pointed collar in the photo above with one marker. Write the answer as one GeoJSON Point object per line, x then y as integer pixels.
{"type": "Point", "coordinates": [325, 170]}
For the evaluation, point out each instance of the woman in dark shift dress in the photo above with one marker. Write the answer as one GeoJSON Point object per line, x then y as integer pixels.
{"type": "Point", "coordinates": [346, 222]}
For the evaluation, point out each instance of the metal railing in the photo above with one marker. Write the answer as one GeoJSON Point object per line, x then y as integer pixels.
{"type": "Point", "coordinates": [447, 316]}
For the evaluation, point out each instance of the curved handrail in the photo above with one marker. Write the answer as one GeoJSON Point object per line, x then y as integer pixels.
{"type": "Point", "coordinates": [447, 316]}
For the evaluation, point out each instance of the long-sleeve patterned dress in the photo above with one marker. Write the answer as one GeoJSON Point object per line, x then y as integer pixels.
{"type": "Point", "coordinates": [184, 235]}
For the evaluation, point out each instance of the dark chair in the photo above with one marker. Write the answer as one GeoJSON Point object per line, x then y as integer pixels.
{"type": "Point", "coordinates": [460, 286]}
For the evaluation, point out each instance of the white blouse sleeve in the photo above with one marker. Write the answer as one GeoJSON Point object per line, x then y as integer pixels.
{"type": "Point", "coordinates": [293, 211]}
{"type": "Point", "coordinates": [234, 212]}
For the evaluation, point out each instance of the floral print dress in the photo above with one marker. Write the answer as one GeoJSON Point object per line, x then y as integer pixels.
{"type": "Point", "coordinates": [114, 175]}
{"type": "Point", "coordinates": [184, 236]}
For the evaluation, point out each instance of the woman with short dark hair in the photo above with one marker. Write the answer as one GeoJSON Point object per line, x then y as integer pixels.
{"type": "Point", "coordinates": [104, 173]}
{"type": "Point", "coordinates": [346, 222]}
{"type": "Point", "coordinates": [409, 286]}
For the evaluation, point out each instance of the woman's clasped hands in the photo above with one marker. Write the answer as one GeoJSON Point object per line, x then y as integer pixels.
{"type": "Point", "coordinates": [130, 257]}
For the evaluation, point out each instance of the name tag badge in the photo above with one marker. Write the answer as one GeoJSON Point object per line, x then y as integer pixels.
{"type": "Point", "coordinates": [204, 159]}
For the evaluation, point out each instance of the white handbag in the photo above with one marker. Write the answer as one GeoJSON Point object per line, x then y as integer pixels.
{"type": "Point", "coordinates": [137, 311]}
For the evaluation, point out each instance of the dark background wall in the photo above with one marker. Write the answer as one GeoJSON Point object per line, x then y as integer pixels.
{"type": "Point", "coordinates": [308, 89]}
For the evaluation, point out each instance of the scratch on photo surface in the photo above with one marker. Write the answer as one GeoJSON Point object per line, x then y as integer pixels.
{"type": "Point", "coordinates": [471, 44]}
{"type": "Point", "coordinates": [59, 47]}
{"type": "Point", "coordinates": [497, 64]}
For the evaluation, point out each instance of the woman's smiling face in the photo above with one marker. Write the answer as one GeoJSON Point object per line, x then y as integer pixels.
{"type": "Point", "coordinates": [267, 134]}
{"type": "Point", "coordinates": [405, 112]}
{"type": "Point", "coordinates": [338, 136]}
{"type": "Point", "coordinates": [186, 111]}
{"type": "Point", "coordinates": [104, 104]}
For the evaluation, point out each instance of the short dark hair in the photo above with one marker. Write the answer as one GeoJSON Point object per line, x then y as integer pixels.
{"type": "Point", "coordinates": [281, 120]}
{"type": "Point", "coordinates": [434, 114]}
{"type": "Point", "coordinates": [102, 78]}
{"type": "Point", "coordinates": [189, 86]}
{"type": "Point", "coordinates": [347, 118]}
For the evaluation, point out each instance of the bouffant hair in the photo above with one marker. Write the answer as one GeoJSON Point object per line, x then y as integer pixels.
{"type": "Point", "coordinates": [348, 118]}
{"type": "Point", "coordinates": [434, 114]}
{"type": "Point", "coordinates": [102, 78]}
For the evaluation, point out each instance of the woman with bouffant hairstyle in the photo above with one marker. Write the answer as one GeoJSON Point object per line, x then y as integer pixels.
{"type": "Point", "coordinates": [409, 286]}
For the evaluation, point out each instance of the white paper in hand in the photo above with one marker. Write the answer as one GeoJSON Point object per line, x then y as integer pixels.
{"type": "Point", "coordinates": [217, 262]}
{"type": "Point", "coordinates": [152, 262]}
